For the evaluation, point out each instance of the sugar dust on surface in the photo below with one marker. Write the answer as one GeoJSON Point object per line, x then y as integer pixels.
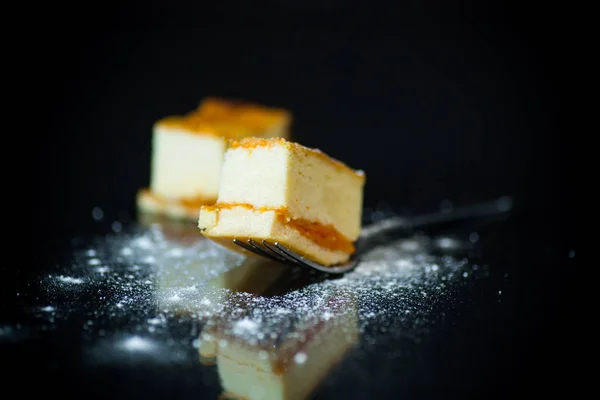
{"type": "Point", "coordinates": [145, 291]}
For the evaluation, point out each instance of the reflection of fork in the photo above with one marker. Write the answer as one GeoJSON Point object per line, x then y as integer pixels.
{"type": "Point", "coordinates": [396, 225]}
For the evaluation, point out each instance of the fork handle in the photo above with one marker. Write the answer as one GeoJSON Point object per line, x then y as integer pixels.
{"type": "Point", "coordinates": [499, 206]}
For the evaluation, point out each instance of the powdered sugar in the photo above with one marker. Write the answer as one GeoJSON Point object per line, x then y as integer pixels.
{"type": "Point", "coordinates": [69, 280]}
{"type": "Point", "coordinates": [154, 290]}
{"type": "Point", "coordinates": [245, 326]}
{"type": "Point", "coordinates": [300, 358]}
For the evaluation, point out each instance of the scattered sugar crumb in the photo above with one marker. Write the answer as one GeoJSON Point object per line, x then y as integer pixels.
{"type": "Point", "coordinates": [116, 226]}
{"type": "Point", "coordinates": [157, 320]}
{"type": "Point", "coordinates": [300, 358]}
{"type": "Point", "coordinates": [136, 343]}
{"type": "Point", "coordinates": [142, 242]}
{"type": "Point", "coordinates": [244, 326]}
{"type": "Point", "coordinates": [447, 243]}
{"type": "Point", "coordinates": [69, 279]}
{"type": "Point", "coordinates": [97, 213]}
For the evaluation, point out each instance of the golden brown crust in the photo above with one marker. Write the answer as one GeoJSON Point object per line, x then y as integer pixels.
{"type": "Point", "coordinates": [228, 118]}
{"type": "Point", "coordinates": [256, 142]}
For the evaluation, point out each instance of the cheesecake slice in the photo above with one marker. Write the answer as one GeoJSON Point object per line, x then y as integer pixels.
{"type": "Point", "coordinates": [187, 153]}
{"type": "Point", "coordinates": [280, 191]}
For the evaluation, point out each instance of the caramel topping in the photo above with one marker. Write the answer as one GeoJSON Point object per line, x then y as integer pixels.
{"type": "Point", "coordinates": [191, 203]}
{"type": "Point", "coordinates": [250, 143]}
{"type": "Point", "coordinates": [229, 206]}
{"type": "Point", "coordinates": [229, 119]}
{"type": "Point", "coordinates": [221, 109]}
{"type": "Point", "coordinates": [196, 202]}
{"type": "Point", "coordinates": [254, 142]}
{"type": "Point", "coordinates": [326, 236]}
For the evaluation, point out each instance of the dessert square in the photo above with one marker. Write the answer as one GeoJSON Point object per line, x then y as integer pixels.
{"type": "Point", "coordinates": [187, 152]}
{"type": "Point", "coordinates": [280, 191]}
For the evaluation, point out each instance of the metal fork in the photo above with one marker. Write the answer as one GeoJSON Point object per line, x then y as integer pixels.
{"type": "Point", "coordinates": [280, 253]}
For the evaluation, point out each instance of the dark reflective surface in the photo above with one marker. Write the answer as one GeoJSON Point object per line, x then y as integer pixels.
{"type": "Point", "coordinates": [437, 104]}
{"type": "Point", "coordinates": [154, 309]}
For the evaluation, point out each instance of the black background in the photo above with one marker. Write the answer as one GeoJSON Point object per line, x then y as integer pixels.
{"type": "Point", "coordinates": [433, 101]}
{"type": "Point", "coordinates": [453, 101]}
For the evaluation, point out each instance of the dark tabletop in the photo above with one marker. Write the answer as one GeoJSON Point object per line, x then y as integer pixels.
{"type": "Point", "coordinates": [438, 106]}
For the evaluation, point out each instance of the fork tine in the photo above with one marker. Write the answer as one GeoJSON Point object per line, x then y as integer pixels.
{"type": "Point", "coordinates": [246, 246]}
{"type": "Point", "coordinates": [266, 251]}
{"type": "Point", "coordinates": [290, 254]}
{"type": "Point", "coordinates": [279, 252]}
{"type": "Point", "coordinates": [283, 254]}
{"type": "Point", "coordinates": [253, 247]}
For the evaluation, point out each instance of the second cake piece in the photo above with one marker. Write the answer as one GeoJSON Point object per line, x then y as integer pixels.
{"type": "Point", "coordinates": [187, 153]}
{"type": "Point", "coordinates": [280, 191]}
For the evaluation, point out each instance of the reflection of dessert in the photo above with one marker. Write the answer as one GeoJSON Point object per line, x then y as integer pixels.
{"type": "Point", "coordinates": [254, 276]}
{"type": "Point", "coordinates": [290, 364]}
{"type": "Point", "coordinates": [265, 343]}
{"type": "Point", "coordinates": [283, 192]}
{"type": "Point", "coordinates": [179, 231]}
{"type": "Point", "coordinates": [187, 153]}
{"type": "Point", "coordinates": [195, 286]}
